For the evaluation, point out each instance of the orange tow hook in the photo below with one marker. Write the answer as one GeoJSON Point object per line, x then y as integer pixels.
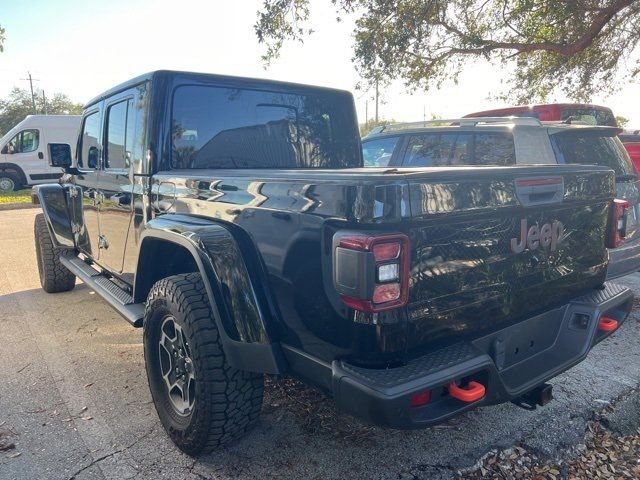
{"type": "Point", "coordinates": [472, 392]}
{"type": "Point", "coordinates": [607, 324]}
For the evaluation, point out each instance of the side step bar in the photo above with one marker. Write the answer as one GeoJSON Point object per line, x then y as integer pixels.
{"type": "Point", "coordinates": [112, 293]}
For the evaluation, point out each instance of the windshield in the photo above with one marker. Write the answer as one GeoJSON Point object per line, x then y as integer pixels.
{"type": "Point", "coordinates": [592, 147]}
{"type": "Point", "coordinates": [215, 127]}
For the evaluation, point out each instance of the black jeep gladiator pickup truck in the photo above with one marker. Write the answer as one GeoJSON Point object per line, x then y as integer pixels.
{"type": "Point", "coordinates": [231, 218]}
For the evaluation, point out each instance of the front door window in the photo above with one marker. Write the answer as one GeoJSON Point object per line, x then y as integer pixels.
{"type": "Point", "coordinates": [25, 141]}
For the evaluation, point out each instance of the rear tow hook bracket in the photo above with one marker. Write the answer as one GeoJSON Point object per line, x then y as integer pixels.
{"type": "Point", "coordinates": [536, 397]}
{"type": "Point", "coordinates": [607, 324]}
{"type": "Point", "coordinates": [473, 392]}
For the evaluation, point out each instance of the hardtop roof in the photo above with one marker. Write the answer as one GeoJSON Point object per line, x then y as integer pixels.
{"type": "Point", "coordinates": [198, 76]}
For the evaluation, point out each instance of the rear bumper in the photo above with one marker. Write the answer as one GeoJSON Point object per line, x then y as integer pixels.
{"type": "Point", "coordinates": [508, 362]}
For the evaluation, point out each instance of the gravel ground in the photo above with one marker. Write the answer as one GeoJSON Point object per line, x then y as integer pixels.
{"type": "Point", "coordinates": [74, 404]}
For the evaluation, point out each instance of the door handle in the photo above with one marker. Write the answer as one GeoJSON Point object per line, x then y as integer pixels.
{"type": "Point", "coordinates": [41, 155]}
{"type": "Point", "coordinates": [539, 190]}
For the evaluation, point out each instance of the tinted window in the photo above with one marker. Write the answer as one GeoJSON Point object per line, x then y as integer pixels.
{"type": "Point", "coordinates": [116, 136]}
{"type": "Point", "coordinates": [593, 116]}
{"type": "Point", "coordinates": [593, 148]}
{"type": "Point", "coordinates": [494, 149]}
{"type": "Point", "coordinates": [438, 149]}
{"type": "Point", "coordinates": [216, 127]}
{"type": "Point", "coordinates": [24, 142]}
{"type": "Point", "coordinates": [377, 153]}
{"type": "Point", "coordinates": [90, 151]}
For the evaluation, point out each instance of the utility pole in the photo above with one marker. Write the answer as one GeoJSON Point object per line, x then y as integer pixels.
{"type": "Point", "coordinates": [33, 97]}
{"type": "Point", "coordinates": [366, 111]}
{"type": "Point", "coordinates": [377, 100]}
{"type": "Point", "coordinates": [44, 101]}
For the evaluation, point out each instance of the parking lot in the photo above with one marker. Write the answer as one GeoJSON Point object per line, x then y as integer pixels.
{"type": "Point", "coordinates": [75, 403]}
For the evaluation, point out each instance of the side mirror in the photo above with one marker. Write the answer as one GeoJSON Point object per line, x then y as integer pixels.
{"type": "Point", "coordinates": [60, 155]}
{"type": "Point", "coordinates": [6, 150]}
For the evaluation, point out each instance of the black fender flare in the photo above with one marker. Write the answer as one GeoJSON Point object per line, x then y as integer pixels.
{"type": "Point", "coordinates": [52, 199]}
{"type": "Point", "coordinates": [15, 168]}
{"type": "Point", "coordinates": [242, 306]}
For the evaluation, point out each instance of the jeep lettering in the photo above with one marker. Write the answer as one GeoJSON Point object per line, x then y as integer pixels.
{"type": "Point", "coordinates": [549, 236]}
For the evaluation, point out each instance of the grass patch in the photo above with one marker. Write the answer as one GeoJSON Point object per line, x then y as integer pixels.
{"type": "Point", "coordinates": [21, 196]}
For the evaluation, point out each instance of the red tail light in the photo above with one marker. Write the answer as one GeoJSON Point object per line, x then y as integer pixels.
{"type": "Point", "coordinates": [371, 272]}
{"type": "Point", "coordinates": [617, 228]}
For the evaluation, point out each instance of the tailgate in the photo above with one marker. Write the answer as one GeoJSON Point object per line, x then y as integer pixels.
{"type": "Point", "coordinates": [491, 246]}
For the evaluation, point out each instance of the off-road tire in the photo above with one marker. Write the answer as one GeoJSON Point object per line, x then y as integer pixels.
{"type": "Point", "coordinates": [13, 178]}
{"type": "Point", "coordinates": [227, 401]}
{"type": "Point", "coordinates": [54, 277]}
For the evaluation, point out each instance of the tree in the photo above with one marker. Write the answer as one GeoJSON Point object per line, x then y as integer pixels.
{"type": "Point", "coordinates": [2, 38]}
{"type": "Point", "coordinates": [622, 121]}
{"type": "Point", "coordinates": [18, 105]}
{"type": "Point", "coordinates": [578, 47]}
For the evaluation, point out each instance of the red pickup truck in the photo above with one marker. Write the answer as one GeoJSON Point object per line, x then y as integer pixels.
{"type": "Point", "coordinates": [631, 141]}
{"type": "Point", "coordinates": [597, 114]}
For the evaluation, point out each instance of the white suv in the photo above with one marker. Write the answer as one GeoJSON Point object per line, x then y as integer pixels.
{"type": "Point", "coordinates": [23, 150]}
{"type": "Point", "coordinates": [514, 141]}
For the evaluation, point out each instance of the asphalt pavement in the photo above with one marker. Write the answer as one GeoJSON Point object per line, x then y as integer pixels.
{"type": "Point", "coordinates": [75, 404]}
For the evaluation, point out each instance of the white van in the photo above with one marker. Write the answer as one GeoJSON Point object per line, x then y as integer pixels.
{"type": "Point", "coordinates": [23, 150]}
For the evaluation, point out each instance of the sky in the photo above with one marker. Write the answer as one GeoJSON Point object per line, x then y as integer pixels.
{"type": "Point", "coordinates": [83, 47]}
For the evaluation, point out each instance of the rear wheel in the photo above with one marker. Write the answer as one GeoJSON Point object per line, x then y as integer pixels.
{"type": "Point", "coordinates": [54, 277]}
{"type": "Point", "coordinates": [9, 182]}
{"type": "Point", "coordinates": [201, 400]}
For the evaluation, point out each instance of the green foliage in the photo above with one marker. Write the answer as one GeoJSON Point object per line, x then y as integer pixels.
{"type": "Point", "coordinates": [577, 47]}
{"type": "Point", "coordinates": [281, 20]}
{"type": "Point", "coordinates": [622, 121]}
{"type": "Point", "coordinates": [18, 105]}
{"type": "Point", "coordinates": [2, 38]}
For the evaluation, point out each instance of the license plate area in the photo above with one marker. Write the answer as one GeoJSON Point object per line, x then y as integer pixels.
{"type": "Point", "coordinates": [524, 340]}
{"type": "Point", "coordinates": [531, 338]}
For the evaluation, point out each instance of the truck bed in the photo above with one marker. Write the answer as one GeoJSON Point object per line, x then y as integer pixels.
{"type": "Point", "coordinates": [460, 221]}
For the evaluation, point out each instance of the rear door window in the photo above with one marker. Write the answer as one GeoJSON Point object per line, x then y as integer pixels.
{"type": "Point", "coordinates": [115, 156]}
{"type": "Point", "coordinates": [460, 148]}
{"type": "Point", "coordinates": [438, 149]}
{"type": "Point", "coordinates": [494, 149]}
{"type": "Point", "coordinates": [593, 148]}
{"type": "Point", "coordinates": [121, 134]}
{"type": "Point", "coordinates": [378, 153]}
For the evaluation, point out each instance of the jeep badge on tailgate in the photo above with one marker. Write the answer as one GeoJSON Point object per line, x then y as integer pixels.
{"type": "Point", "coordinates": [549, 235]}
